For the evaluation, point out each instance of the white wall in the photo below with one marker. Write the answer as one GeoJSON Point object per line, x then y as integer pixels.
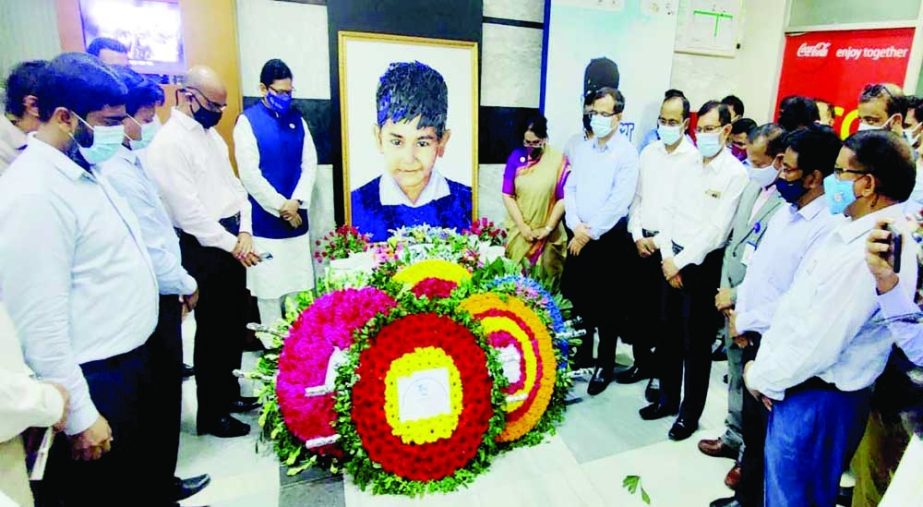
{"type": "Point", "coordinates": [28, 31]}
{"type": "Point", "coordinates": [752, 74]}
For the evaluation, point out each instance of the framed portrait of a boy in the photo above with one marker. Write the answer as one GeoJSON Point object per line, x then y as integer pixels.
{"type": "Point", "coordinates": [409, 111]}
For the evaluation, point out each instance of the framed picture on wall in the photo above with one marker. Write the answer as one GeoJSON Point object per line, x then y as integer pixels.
{"type": "Point", "coordinates": [409, 111]}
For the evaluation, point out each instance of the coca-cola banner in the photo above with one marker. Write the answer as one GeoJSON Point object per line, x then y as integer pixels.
{"type": "Point", "coordinates": [835, 66]}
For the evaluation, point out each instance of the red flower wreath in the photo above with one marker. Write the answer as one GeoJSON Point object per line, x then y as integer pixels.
{"type": "Point", "coordinates": [439, 459]}
{"type": "Point", "coordinates": [327, 324]}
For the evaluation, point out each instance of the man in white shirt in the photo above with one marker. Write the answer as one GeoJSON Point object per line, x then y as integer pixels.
{"type": "Point", "coordinates": [791, 233]}
{"type": "Point", "coordinates": [24, 403]}
{"type": "Point", "coordinates": [758, 203]}
{"type": "Point", "coordinates": [660, 163]}
{"type": "Point", "coordinates": [278, 165]}
{"type": "Point", "coordinates": [81, 291]}
{"type": "Point", "coordinates": [21, 112]}
{"type": "Point", "coordinates": [178, 289]}
{"type": "Point", "coordinates": [823, 349]}
{"type": "Point", "coordinates": [692, 235]}
{"type": "Point", "coordinates": [189, 161]}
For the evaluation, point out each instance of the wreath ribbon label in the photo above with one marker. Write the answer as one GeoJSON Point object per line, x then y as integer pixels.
{"type": "Point", "coordinates": [511, 360]}
{"type": "Point", "coordinates": [424, 394]}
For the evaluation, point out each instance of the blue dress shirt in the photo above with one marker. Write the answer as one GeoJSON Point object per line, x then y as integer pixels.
{"type": "Point", "coordinates": [126, 174]}
{"type": "Point", "coordinates": [601, 184]}
{"type": "Point", "coordinates": [74, 271]}
{"type": "Point", "coordinates": [790, 236]}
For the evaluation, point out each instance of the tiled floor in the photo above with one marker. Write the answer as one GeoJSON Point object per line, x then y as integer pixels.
{"type": "Point", "coordinates": [601, 442]}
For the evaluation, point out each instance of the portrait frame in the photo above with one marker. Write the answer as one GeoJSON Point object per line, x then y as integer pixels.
{"type": "Point", "coordinates": [460, 64]}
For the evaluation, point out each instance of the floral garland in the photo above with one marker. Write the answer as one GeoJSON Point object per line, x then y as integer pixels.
{"type": "Point", "coordinates": [421, 454]}
{"type": "Point", "coordinates": [514, 328]}
{"type": "Point", "coordinates": [318, 336]}
{"type": "Point", "coordinates": [434, 278]}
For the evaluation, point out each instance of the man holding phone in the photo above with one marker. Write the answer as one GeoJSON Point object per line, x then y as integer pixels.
{"type": "Point", "coordinates": [885, 438]}
{"type": "Point", "coordinates": [823, 349]}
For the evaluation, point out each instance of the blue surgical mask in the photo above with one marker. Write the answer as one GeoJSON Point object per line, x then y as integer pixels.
{"type": "Point", "coordinates": [709, 144]}
{"type": "Point", "coordinates": [669, 135]}
{"type": "Point", "coordinates": [601, 125]}
{"type": "Point", "coordinates": [279, 103]}
{"type": "Point", "coordinates": [839, 194]}
{"type": "Point", "coordinates": [106, 142]}
{"type": "Point", "coordinates": [763, 176]}
{"type": "Point", "coordinates": [148, 131]}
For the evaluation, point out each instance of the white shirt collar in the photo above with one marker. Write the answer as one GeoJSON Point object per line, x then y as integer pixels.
{"type": "Point", "coordinates": [856, 228]}
{"type": "Point", "coordinates": [57, 158]}
{"type": "Point", "coordinates": [812, 209]}
{"type": "Point", "coordinates": [126, 154]}
{"type": "Point", "coordinates": [185, 120]}
{"type": "Point", "coordinates": [390, 193]}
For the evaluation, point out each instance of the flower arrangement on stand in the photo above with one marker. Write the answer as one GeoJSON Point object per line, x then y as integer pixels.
{"type": "Point", "coordinates": [487, 232]}
{"type": "Point", "coordinates": [412, 376]}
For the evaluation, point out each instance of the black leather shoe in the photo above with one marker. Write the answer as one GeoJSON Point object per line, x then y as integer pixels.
{"type": "Point", "coordinates": [188, 371]}
{"type": "Point", "coordinates": [725, 502]}
{"type": "Point", "coordinates": [188, 487]}
{"type": "Point", "coordinates": [657, 411]}
{"type": "Point", "coordinates": [244, 404]}
{"type": "Point", "coordinates": [632, 375]}
{"type": "Point", "coordinates": [600, 381]}
{"type": "Point", "coordinates": [682, 430]}
{"type": "Point", "coordinates": [224, 427]}
{"type": "Point", "coordinates": [652, 391]}
{"type": "Point", "coordinates": [844, 497]}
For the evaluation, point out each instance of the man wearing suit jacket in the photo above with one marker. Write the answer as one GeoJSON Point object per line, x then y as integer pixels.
{"type": "Point", "coordinates": [758, 203]}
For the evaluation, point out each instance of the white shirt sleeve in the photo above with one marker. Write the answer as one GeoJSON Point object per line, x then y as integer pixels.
{"type": "Point", "coordinates": [248, 166]}
{"type": "Point", "coordinates": [40, 310]}
{"type": "Point", "coordinates": [305, 188]}
{"type": "Point", "coordinates": [172, 172]}
{"type": "Point", "coordinates": [805, 340]}
{"type": "Point", "coordinates": [908, 335]}
{"type": "Point", "coordinates": [634, 211]}
{"type": "Point", "coordinates": [717, 226]}
{"type": "Point", "coordinates": [26, 403]}
{"type": "Point", "coordinates": [570, 202]}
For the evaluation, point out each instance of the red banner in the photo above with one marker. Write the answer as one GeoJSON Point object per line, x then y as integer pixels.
{"type": "Point", "coordinates": [835, 66]}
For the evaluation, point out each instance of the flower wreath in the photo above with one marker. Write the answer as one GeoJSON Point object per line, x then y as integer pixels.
{"type": "Point", "coordinates": [528, 356]}
{"type": "Point", "coordinates": [421, 340]}
{"type": "Point", "coordinates": [434, 278]}
{"type": "Point", "coordinates": [320, 335]}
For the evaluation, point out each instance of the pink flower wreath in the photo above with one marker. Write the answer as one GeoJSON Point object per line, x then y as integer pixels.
{"type": "Point", "coordinates": [327, 324]}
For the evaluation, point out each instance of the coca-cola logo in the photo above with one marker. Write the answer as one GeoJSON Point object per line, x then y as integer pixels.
{"type": "Point", "coordinates": [818, 50]}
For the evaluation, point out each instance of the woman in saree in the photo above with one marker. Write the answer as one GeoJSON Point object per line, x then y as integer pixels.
{"type": "Point", "coordinates": [533, 192]}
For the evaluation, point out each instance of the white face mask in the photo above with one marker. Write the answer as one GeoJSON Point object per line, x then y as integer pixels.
{"type": "Point", "coordinates": [865, 126]}
{"type": "Point", "coordinates": [763, 176]}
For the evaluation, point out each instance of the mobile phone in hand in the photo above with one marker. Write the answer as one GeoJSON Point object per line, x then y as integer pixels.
{"type": "Point", "coordinates": [897, 244]}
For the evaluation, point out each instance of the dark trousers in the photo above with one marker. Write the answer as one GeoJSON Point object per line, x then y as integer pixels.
{"type": "Point", "coordinates": [221, 319]}
{"type": "Point", "coordinates": [120, 389]}
{"type": "Point", "coordinates": [755, 419]}
{"type": "Point", "coordinates": [690, 322]}
{"type": "Point", "coordinates": [644, 329]}
{"type": "Point", "coordinates": [590, 282]}
{"type": "Point", "coordinates": [166, 354]}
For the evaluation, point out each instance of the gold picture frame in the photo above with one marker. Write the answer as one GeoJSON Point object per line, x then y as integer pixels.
{"type": "Point", "coordinates": [345, 44]}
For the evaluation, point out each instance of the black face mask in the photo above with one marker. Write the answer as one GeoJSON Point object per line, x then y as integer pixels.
{"type": "Point", "coordinates": [791, 191]}
{"type": "Point", "coordinates": [535, 153]}
{"type": "Point", "coordinates": [586, 123]}
{"type": "Point", "coordinates": [206, 118]}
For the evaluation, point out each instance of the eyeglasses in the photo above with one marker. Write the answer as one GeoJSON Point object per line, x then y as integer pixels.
{"type": "Point", "coordinates": [288, 93]}
{"type": "Point", "coordinates": [711, 129]}
{"type": "Point", "coordinates": [209, 103]}
{"type": "Point", "coordinates": [839, 172]}
{"type": "Point", "coordinates": [604, 115]}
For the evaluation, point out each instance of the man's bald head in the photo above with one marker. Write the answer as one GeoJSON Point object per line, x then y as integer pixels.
{"type": "Point", "coordinates": [208, 82]}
